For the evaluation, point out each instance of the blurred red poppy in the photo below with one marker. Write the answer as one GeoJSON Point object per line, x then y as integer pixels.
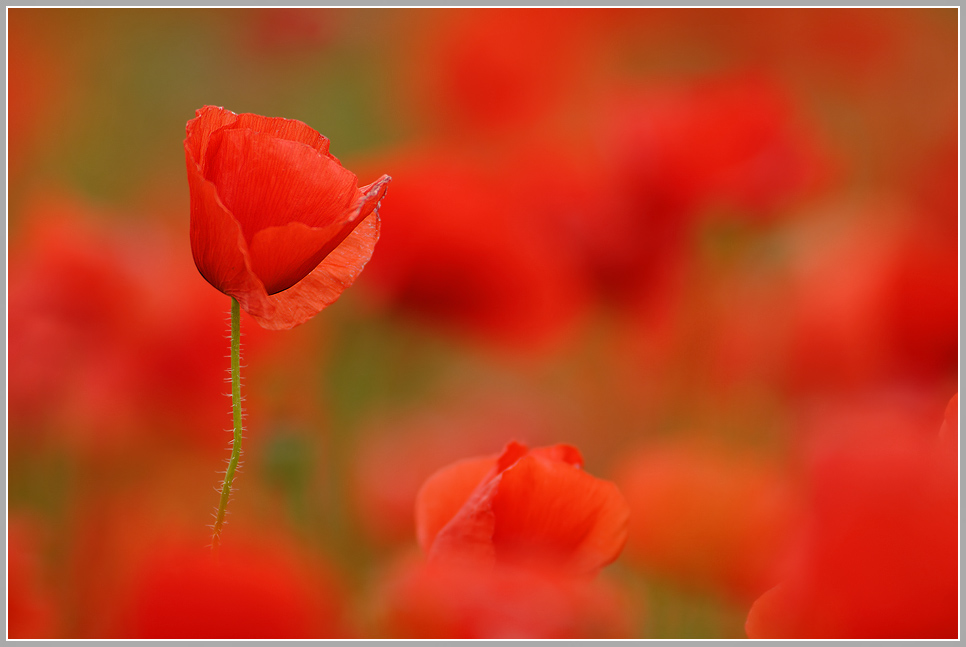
{"type": "Point", "coordinates": [461, 252]}
{"type": "Point", "coordinates": [138, 564]}
{"type": "Point", "coordinates": [276, 221]}
{"type": "Point", "coordinates": [80, 327]}
{"type": "Point", "coordinates": [467, 602]}
{"type": "Point", "coordinates": [678, 156]}
{"type": "Point", "coordinates": [476, 73]}
{"type": "Point", "coordinates": [735, 141]}
{"type": "Point", "coordinates": [288, 32]}
{"type": "Point", "coordinates": [255, 590]}
{"type": "Point", "coordinates": [533, 507]}
{"type": "Point", "coordinates": [706, 516]}
{"type": "Point", "coordinates": [878, 557]}
{"type": "Point", "coordinates": [892, 315]}
{"type": "Point", "coordinates": [949, 432]}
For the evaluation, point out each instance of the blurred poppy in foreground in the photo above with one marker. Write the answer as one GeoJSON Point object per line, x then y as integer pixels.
{"type": "Point", "coordinates": [879, 555]}
{"type": "Point", "coordinates": [513, 543]}
{"type": "Point", "coordinates": [732, 144]}
{"type": "Point", "coordinates": [125, 367]}
{"type": "Point", "coordinates": [536, 508]}
{"type": "Point", "coordinates": [892, 315]}
{"type": "Point", "coordinates": [706, 517]}
{"type": "Point", "coordinates": [276, 221]}
{"type": "Point", "coordinates": [257, 588]}
{"type": "Point", "coordinates": [470, 601]}
{"type": "Point", "coordinates": [734, 140]}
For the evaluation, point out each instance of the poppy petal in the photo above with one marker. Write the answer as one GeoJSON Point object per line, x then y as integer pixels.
{"type": "Point", "coordinates": [211, 118]}
{"type": "Point", "coordinates": [265, 181]}
{"type": "Point", "coordinates": [276, 252]}
{"type": "Point", "coordinates": [290, 129]}
{"type": "Point", "coordinates": [217, 242]}
{"type": "Point", "coordinates": [562, 452]}
{"type": "Point", "coordinates": [468, 533]}
{"type": "Point", "coordinates": [444, 493]}
{"type": "Point", "coordinates": [323, 285]}
{"type": "Point", "coordinates": [274, 249]}
{"type": "Point", "coordinates": [468, 537]}
{"type": "Point", "coordinates": [534, 507]}
{"type": "Point", "coordinates": [513, 452]}
{"type": "Point", "coordinates": [769, 617]}
{"type": "Point", "coordinates": [207, 120]}
{"type": "Point", "coordinates": [552, 510]}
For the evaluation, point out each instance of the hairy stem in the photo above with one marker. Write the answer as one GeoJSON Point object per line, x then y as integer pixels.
{"type": "Point", "coordinates": [237, 417]}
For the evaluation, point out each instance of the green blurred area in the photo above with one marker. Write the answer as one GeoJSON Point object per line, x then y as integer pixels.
{"type": "Point", "coordinates": [131, 78]}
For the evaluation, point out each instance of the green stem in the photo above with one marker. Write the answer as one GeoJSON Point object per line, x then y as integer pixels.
{"type": "Point", "coordinates": [237, 416]}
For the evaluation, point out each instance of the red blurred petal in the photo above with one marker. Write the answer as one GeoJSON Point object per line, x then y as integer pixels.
{"type": "Point", "coordinates": [554, 511]}
{"type": "Point", "coordinates": [513, 452]}
{"type": "Point", "coordinates": [444, 493]}
{"type": "Point", "coordinates": [486, 267]}
{"type": "Point", "coordinates": [760, 623]}
{"type": "Point", "coordinates": [253, 589]}
{"type": "Point", "coordinates": [437, 601]}
{"type": "Point", "coordinates": [878, 558]}
{"type": "Point", "coordinates": [537, 509]}
{"type": "Point", "coordinates": [563, 453]}
{"type": "Point", "coordinates": [949, 432]}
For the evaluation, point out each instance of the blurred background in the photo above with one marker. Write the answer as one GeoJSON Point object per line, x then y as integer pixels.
{"type": "Point", "coordinates": [686, 241]}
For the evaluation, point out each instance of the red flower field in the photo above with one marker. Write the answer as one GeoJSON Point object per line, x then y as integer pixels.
{"type": "Point", "coordinates": [488, 323]}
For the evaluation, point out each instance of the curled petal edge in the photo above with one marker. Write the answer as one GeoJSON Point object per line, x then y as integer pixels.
{"type": "Point", "coordinates": [323, 285]}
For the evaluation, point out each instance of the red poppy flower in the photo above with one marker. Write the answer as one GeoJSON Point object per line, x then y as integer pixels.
{"type": "Point", "coordinates": [534, 507]}
{"type": "Point", "coordinates": [735, 141]}
{"type": "Point", "coordinates": [276, 221]}
{"type": "Point", "coordinates": [79, 328]}
{"type": "Point", "coordinates": [893, 315]}
{"type": "Point", "coordinates": [879, 555]}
